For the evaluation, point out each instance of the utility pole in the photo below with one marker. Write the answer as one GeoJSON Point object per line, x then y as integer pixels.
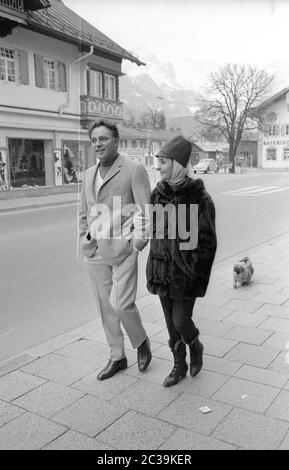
{"type": "Point", "coordinates": [149, 131]}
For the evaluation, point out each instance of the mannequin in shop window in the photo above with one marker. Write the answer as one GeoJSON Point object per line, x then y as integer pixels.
{"type": "Point", "coordinates": [34, 172]}
{"type": "Point", "coordinates": [69, 171]}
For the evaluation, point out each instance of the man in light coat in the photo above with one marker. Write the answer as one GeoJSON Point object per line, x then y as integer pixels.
{"type": "Point", "coordinates": [113, 229]}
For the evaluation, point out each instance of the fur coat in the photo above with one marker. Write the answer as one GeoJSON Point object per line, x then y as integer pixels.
{"type": "Point", "coordinates": [173, 272]}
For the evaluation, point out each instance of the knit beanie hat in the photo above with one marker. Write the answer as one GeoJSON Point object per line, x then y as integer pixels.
{"type": "Point", "coordinates": [178, 149]}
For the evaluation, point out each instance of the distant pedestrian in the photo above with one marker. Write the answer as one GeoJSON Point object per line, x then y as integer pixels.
{"type": "Point", "coordinates": [111, 242]}
{"type": "Point", "coordinates": [176, 274]}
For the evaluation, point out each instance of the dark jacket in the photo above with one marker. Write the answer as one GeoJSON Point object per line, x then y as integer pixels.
{"type": "Point", "coordinates": [182, 274]}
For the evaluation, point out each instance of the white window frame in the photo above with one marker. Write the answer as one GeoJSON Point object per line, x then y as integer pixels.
{"type": "Point", "coordinates": [272, 130]}
{"type": "Point", "coordinates": [285, 149]}
{"type": "Point", "coordinates": [109, 87]}
{"type": "Point", "coordinates": [8, 61]}
{"type": "Point", "coordinates": [50, 70]}
{"type": "Point", "coordinates": [95, 83]}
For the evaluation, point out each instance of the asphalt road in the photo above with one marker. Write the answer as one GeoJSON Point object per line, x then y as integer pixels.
{"type": "Point", "coordinates": [44, 287]}
{"type": "Point", "coordinates": [251, 208]}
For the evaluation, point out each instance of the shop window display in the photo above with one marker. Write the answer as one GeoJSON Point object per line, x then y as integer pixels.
{"type": "Point", "coordinates": [27, 167]}
{"type": "Point", "coordinates": [74, 161]}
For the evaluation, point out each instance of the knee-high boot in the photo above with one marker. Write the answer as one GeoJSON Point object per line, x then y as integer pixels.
{"type": "Point", "coordinates": [180, 368]}
{"type": "Point", "coordinates": [196, 355]}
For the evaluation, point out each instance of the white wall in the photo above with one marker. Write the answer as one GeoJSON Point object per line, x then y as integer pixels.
{"type": "Point", "coordinates": [30, 96]}
{"type": "Point", "coordinates": [279, 142]}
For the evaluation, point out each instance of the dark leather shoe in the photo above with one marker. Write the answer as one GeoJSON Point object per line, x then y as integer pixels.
{"type": "Point", "coordinates": [144, 355]}
{"type": "Point", "coordinates": [196, 353]}
{"type": "Point", "coordinates": [112, 368]}
{"type": "Point", "coordinates": [180, 365]}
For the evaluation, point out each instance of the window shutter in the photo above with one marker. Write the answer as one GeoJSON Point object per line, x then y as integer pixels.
{"type": "Point", "coordinates": [23, 67]}
{"type": "Point", "coordinates": [88, 83]}
{"type": "Point", "coordinates": [266, 130]}
{"type": "Point", "coordinates": [277, 130]}
{"type": "Point", "coordinates": [39, 71]}
{"type": "Point", "coordinates": [103, 85]}
{"type": "Point", "coordinates": [283, 130]}
{"type": "Point", "coordinates": [117, 88]}
{"type": "Point", "coordinates": [62, 77]}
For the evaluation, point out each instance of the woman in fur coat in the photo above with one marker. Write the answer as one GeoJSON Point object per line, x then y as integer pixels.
{"type": "Point", "coordinates": [182, 250]}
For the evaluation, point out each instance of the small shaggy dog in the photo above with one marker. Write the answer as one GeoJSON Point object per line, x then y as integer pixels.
{"type": "Point", "coordinates": [242, 272]}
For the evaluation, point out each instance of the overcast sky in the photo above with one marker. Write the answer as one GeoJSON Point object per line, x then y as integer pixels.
{"type": "Point", "coordinates": [254, 31]}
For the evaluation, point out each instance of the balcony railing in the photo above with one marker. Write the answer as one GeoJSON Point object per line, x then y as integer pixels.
{"type": "Point", "coordinates": [93, 108]}
{"type": "Point", "coordinates": [15, 4]}
{"type": "Point", "coordinates": [12, 12]}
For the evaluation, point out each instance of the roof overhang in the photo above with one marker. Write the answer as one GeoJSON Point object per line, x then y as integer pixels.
{"type": "Point", "coordinates": [82, 44]}
{"type": "Point", "coordinates": [273, 99]}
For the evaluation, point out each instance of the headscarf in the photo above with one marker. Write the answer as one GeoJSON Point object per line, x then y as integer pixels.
{"type": "Point", "coordinates": [179, 173]}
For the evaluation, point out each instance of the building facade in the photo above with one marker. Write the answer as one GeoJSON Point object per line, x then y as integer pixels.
{"type": "Point", "coordinates": [273, 142]}
{"type": "Point", "coordinates": [246, 155]}
{"type": "Point", "coordinates": [143, 144]}
{"type": "Point", "coordinates": [58, 74]}
{"type": "Point", "coordinates": [203, 149]}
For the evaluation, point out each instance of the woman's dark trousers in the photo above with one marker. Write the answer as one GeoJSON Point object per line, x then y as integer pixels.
{"type": "Point", "coordinates": [182, 331]}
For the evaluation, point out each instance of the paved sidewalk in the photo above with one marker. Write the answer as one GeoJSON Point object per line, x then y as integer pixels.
{"type": "Point", "coordinates": [50, 397]}
{"type": "Point", "coordinates": [24, 203]}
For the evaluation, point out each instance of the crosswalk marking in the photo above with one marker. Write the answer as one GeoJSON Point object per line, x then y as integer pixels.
{"type": "Point", "coordinates": [256, 190]}
{"type": "Point", "coordinates": [245, 194]}
{"type": "Point", "coordinates": [276, 190]}
{"type": "Point", "coordinates": [265, 188]}
{"type": "Point", "coordinates": [240, 189]}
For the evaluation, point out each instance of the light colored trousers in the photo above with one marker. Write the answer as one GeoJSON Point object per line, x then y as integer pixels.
{"type": "Point", "coordinates": [114, 289]}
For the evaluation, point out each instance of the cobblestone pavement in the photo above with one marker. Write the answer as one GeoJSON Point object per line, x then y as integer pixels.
{"type": "Point", "coordinates": [50, 397]}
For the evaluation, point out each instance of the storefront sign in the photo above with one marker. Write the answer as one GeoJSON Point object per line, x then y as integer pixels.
{"type": "Point", "coordinates": [276, 142]}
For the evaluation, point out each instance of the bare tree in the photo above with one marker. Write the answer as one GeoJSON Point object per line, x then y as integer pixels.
{"type": "Point", "coordinates": [162, 120]}
{"type": "Point", "coordinates": [153, 118]}
{"type": "Point", "coordinates": [227, 104]}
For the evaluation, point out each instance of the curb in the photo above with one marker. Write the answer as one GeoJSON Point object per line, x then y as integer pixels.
{"type": "Point", "coordinates": [35, 206]}
{"type": "Point", "coordinates": [12, 363]}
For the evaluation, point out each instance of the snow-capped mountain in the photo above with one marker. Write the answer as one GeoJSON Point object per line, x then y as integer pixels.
{"type": "Point", "coordinates": [174, 88]}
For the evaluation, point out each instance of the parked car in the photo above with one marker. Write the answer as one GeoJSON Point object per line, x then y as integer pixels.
{"type": "Point", "coordinates": [205, 165]}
